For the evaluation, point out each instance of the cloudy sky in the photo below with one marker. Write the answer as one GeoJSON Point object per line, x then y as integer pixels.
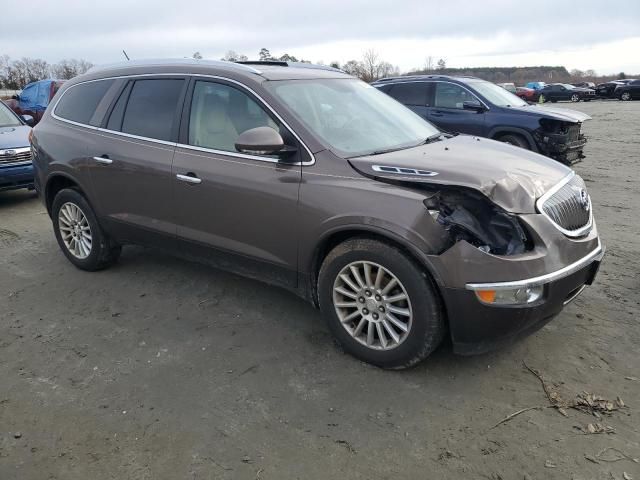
{"type": "Point", "coordinates": [602, 35]}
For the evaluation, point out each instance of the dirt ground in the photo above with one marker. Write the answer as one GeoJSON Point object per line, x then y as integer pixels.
{"type": "Point", "coordinates": [161, 369]}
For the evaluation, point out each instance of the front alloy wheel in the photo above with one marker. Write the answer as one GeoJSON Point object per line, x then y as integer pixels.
{"type": "Point", "coordinates": [626, 96]}
{"type": "Point", "coordinates": [380, 304]}
{"type": "Point", "coordinates": [372, 305]}
{"type": "Point", "coordinates": [575, 97]}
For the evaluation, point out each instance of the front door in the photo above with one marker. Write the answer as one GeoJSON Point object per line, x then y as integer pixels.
{"type": "Point", "coordinates": [235, 210]}
{"type": "Point", "coordinates": [130, 160]}
{"type": "Point", "coordinates": [448, 111]}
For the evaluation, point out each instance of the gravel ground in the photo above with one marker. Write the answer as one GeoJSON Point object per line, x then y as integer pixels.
{"type": "Point", "coordinates": [161, 369]}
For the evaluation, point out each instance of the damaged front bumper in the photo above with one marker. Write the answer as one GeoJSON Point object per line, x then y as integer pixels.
{"type": "Point", "coordinates": [564, 146]}
{"type": "Point", "coordinates": [559, 266]}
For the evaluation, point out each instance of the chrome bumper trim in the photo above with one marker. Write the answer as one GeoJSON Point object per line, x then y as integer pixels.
{"type": "Point", "coordinates": [596, 254]}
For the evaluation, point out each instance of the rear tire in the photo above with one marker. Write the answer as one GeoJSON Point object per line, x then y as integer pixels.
{"type": "Point", "coordinates": [409, 314]}
{"type": "Point", "coordinates": [79, 234]}
{"type": "Point", "coordinates": [625, 96]}
{"type": "Point", "coordinates": [515, 140]}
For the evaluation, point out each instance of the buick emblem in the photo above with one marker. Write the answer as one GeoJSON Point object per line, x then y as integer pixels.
{"type": "Point", "coordinates": [584, 199]}
{"type": "Point", "coordinates": [9, 152]}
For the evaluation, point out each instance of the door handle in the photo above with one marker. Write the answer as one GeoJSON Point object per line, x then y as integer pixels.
{"type": "Point", "coordinates": [104, 159]}
{"type": "Point", "coordinates": [189, 178]}
{"type": "Point", "coordinates": [437, 114]}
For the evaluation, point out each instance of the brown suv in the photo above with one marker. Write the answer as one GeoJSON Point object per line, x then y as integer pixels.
{"type": "Point", "coordinates": [307, 178]}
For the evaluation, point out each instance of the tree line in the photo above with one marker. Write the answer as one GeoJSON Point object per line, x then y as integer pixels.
{"type": "Point", "coordinates": [15, 74]}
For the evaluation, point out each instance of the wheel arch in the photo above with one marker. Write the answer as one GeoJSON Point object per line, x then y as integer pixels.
{"type": "Point", "coordinates": [336, 236]}
{"type": "Point", "coordinates": [498, 132]}
{"type": "Point", "coordinates": [56, 182]}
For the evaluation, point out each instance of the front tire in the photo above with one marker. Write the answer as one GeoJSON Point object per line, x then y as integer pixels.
{"type": "Point", "coordinates": [575, 98]}
{"type": "Point", "coordinates": [515, 140]}
{"type": "Point", "coordinates": [625, 96]}
{"type": "Point", "coordinates": [79, 234]}
{"type": "Point", "coordinates": [380, 306]}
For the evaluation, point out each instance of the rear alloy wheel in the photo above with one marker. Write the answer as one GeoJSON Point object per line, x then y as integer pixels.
{"type": "Point", "coordinates": [626, 96]}
{"type": "Point", "coordinates": [79, 234]}
{"type": "Point", "coordinates": [380, 306]}
{"type": "Point", "coordinates": [542, 99]}
{"type": "Point", "coordinates": [575, 97]}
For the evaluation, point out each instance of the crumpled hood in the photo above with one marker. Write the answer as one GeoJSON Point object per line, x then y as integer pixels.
{"type": "Point", "coordinates": [564, 114]}
{"type": "Point", "coordinates": [14, 137]}
{"type": "Point", "coordinates": [511, 177]}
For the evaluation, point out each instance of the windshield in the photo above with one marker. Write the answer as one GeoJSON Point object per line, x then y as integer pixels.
{"type": "Point", "coordinates": [568, 86]}
{"type": "Point", "coordinates": [497, 95]}
{"type": "Point", "coordinates": [351, 117]}
{"type": "Point", "coordinates": [7, 118]}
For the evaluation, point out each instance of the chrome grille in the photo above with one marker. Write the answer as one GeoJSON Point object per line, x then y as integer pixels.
{"type": "Point", "coordinates": [568, 206]}
{"type": "Point", "coordinates": [13, 156]}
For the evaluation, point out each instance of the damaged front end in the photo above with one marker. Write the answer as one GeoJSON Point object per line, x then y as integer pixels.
{"type": "Point", "coordinates": [469, 216]}
{"type": "Point", "coordinates": [560, 140]}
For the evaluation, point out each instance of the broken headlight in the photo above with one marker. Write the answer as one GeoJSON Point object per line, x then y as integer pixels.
{"type": "Point", "coordinates": [471, 217]}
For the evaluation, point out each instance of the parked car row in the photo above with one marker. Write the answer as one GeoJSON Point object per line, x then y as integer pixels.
{"type": "Point", "coordinates": [628, 89]}
{"type": "Point", "coordinates": [34, 98]}
{"type": "Point", "coordinates": [476, 107]}
{"type": "Point", "coordinates": [307, 178]}
{"type": "Point", "coordinates": [16, 168]}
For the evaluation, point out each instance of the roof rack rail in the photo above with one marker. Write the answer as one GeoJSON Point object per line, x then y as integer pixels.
{"type": "Point", "coordinates": [282, 63]}
{"type": "Point", "coordinates": [278, 63]}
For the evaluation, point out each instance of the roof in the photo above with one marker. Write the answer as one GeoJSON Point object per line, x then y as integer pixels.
{"type": "Point", "coordinates": [269, 70]}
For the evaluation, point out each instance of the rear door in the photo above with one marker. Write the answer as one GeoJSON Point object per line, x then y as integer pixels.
{"type": "Point", "coordinates": [449, 114]}
{"type": "Point", "coordinates": [236, 210]}
{"type": "Point", "coordinates": [413, 95]}
{"type": "Point", "coordinates": [131, 159]}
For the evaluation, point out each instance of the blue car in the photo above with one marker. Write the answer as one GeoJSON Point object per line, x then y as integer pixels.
{"type": "Point", "coordinates": [473, 106]}
{"type": "Point", "coordinates": [16, 169]}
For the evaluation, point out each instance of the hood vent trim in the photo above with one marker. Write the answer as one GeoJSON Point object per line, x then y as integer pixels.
{"type": "Point", "coordinates": [404, 171]}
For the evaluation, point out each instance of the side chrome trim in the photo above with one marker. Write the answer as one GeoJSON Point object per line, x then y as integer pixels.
{"type": "Point", "coordinates": [541, 201]}
{"type": "Point", "coordinates": [181, 145]}
{"type": "Point", "coordinates": [403, 171]}
{"type": "Point", "coordinates": [596, 254]}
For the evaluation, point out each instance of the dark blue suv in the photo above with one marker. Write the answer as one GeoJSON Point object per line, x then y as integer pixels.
{"type": "Point", "coordinates": [473, 106]}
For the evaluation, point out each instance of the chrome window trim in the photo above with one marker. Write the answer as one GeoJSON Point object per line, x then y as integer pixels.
{"type": "Point", "coordinates": [596, 254]}
{"type": "Point", "coordinates": [569, 233]}
{"type": "Point", "coordinates": [182, 145]}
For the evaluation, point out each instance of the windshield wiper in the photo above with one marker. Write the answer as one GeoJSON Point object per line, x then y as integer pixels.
{"type": "Point", "coordinates": [429, 139]}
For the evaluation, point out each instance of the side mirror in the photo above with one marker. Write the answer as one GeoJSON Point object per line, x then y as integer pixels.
{"type": "Point", "coordinates": [28, 119]}
{"type": "Point", "coordinates": [15, 97]}
{"type": "Point", "coordinates": [473, 105]}
{"type": "Point", "coordinates": [261, 141]}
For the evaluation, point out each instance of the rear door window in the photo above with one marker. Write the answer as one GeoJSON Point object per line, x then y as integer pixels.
{"type": "Point", "coordinates": [410, 93]}
{"type": "Point", "coordinates": [152, 108]}
{"type": "Point", "coordinates": [79, 102]}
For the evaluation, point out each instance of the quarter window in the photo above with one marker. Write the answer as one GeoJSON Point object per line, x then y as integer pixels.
{"type": "Point", "coordinates": [220, 113]}
{"type": "Point", "coordinates": [450, 95]}
{"type": "Point", "coordinates": [414, 93]}
{"type": "Point", "coordinates": [79, 102]}
{"type": "Point", "coordinates": [152, 108]}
